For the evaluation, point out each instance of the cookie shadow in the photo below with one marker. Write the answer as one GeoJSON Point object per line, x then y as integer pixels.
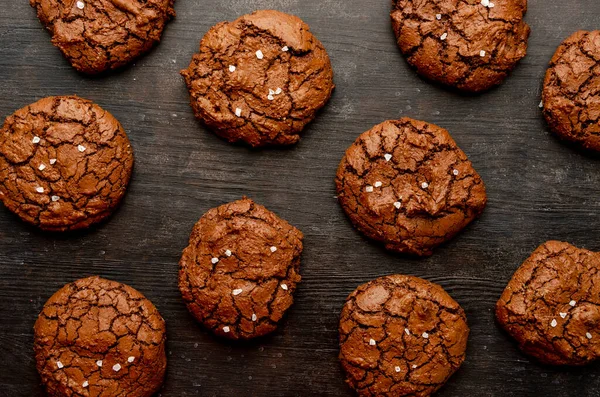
{"type": "Point", "coordinates": [67, 234]}
{"type": "Point", "coordinates": [573, 147]}
{"type": "Point", "coordinates": [437, 250]}
{"type": "Point", "coordinates": [256, 342]}
{"type": "Point", "coordinates": [580, 370]}
{"type": "Point", "coordinates": [446, 87]}
{"type": "Point", "coordinates": [117, 72]}
{"type": "Point", "coordinates": [305, 133]}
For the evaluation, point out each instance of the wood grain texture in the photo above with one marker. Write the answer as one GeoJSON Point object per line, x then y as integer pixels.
{"type": "Point", "coordinates": [538, 189]}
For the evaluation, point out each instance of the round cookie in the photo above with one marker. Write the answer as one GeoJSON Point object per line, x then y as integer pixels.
{"type": "Point", "coordinates": [471, 45]}
{"type": "Point", "coordinates": [259, 79]}
{"type": "Point", "coordinates": [239, 273]}
{"type": "Point", "coordinates": [406, 184]}
{"type": "Point", "coordinates": [401, 336]}
{"type": "Point", "coordinates": [551, 306]}
{"type": "Point", "coordinates": [99, 337]}
{"type": "Point", "coordinates": [571, 95]}
{"type": "Point", "coordinates": [65, 163]}
{"type": "Point", "coordinates": [97, 35]}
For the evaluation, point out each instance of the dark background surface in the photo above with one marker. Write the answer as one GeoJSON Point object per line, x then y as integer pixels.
{"type": "Point", "coordinates": [538, 189]}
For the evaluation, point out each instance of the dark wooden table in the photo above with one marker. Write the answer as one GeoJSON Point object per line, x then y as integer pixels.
{"type": "Point", "coordinates": [538, 189]}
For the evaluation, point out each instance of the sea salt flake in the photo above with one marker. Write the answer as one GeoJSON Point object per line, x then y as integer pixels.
{"type": "Point", "coordinates": [563, 315]}
{"type": "Point", "coordinates": [455, 172]}
{"type": "Point", "coordinates": [443, 37]}
{"type": "Point", "coordinates": [387, 157]}
{"type": "Point", "coordinates": [378, 184]}
{"type": "Point", "coordinates": [572, 303]}
{"type": "Point", "coordinates": [52, 161]}
{"type": "Point", "coordinates": [278, 91]}
{"type": "Point", "coordinates": [259, 54]}
{"type": "Point", "coordinates": [238, 112]}
{"type": "Point", "coordinates": [36, 139]}
{"type": "Point", "coordinates": [81, 148]}
{"type": "Point", "coordinates": [398, 204]}
{"type": "Point", "coordinates": [226, 329]}
{"type": "Point", "coordinates": [85, 384]}
{"type": "Point", "coordinates": [424, 185]}
{"type": "Point", "coordinates": [116, 367]}
{"type": "Point", "coordinates": [541, 105]}
{"type": "Point", "coordinates": [42, 167]}
{"type": "Point", "coordinates": [253, 317]}
{"type": "Point", "coordinates": [372, 342]}
{"type": "Point", "coordinates": [39, 189]}
{"type": "Point", "coordinates": [485, 3]}
{"type": "Point", "coordinates": [284, 287]}
{"type": "Point", "coordinates": [55, 198]}
{"type": "Point", "coordinates": [491, 5]}
{"type": "Point", "coordinates": [414, 366]}
{"type": "Point", "coordinates": [59, 364]}
{"type": "Point", "coordinates": [228, 253]}
{"type": "Point", "coordinates": [80, 5]}
{"type": "Point", "coordinates": [237, 291]}
{"type": "Point", "coordinates": [99, 363]}
{"type": "Point", "coordinates": [270, 97]}
{"type": "Point", "coordinates": [273, 249]}
{"type": "Point", "coordinates": [214, 260]}
{"type": "Point", "coordinates": [369, 189]}
{"type": "Point", "coordinates": [397, 369]}
{"type": "Point", "coordinates": [438, 16]}
{"type": "Point", "coordinates": [425, 335]}
{"type": "Point", "coordinates": [271, 92]}
{"type": "Point", "coordinates": [554, 323]}
{"type": "Point", "coordinates": [285, 49]}
{"type": "Point", "coordinates": [482, 53]}
{"type": "Point", "coordinates": [588, 335]}
{"type": "Point", "coordinates": [130, 359]}
{"type": "Point", "coordinates": [231, 68]}
{"type": "Point", "coordinates": [406, 331]}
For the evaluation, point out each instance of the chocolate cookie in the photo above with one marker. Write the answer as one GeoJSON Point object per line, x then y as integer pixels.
{"type": "Point", "coordinates": [401, 336]}
{"type": "Point", "coordinates": [97, 35]}
{"type": "Point", "coordinates": [471, 45]}
{"type": "Point", "coordinates": [97, 337]}
{"type": "Point", "coordinates": [64, 163]}
{"type": "Point", "coordinates": [551, 305]}
{"type": "Point", "coordinates": [239, 273]}
{"type": "Point", "coordinates": [571, 95]}
{"type": "Point", "coordinates": [406, 184]}
{"type": "Point", "coordinates": [259, 79]}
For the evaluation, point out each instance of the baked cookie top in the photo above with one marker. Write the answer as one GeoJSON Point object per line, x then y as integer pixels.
{"type": "Point", "coordinates": [471, 45]}
{"type": "Point", "coordinates": [100, 338]}
{"type": "Point", "coordinates": [551, 306]}
{"type": "Point", "coordinates": [97, 35]}
{"type": "Point", "coordinates": [259, 79]}
{"type": "Point", "coordinates": [65, 163]}
{"type": "Point", "coordinates": [571, 95]}
{"type": "Point", "coordinates": [401, 336]}
{"type": "Point", "coordinates": [406, 184]}
{"type": "Point", "coordinates": [240, 270]}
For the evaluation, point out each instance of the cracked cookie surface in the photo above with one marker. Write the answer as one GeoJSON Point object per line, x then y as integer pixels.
{"type": "Point", "coordinates": [259, 79]}
{"type": "Point", "coordinates": [98, 35]}
{"type": "Point", "coordinates": [571, 95]}
{"type": "Point", "coordinates": [551, 306]}
{"type": "Point", "coordinates": [97, 337]}
{"type": "Point", "coordinates": [471, 45]}
{"type": "Point", "coordinates": [406, 183]}
{"type": "Point", "coordinates": [65, 163]}
{"type": "Point", "coordinates": [401, 336]}
{"type": "Point", "coordinates": [239, 273]}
